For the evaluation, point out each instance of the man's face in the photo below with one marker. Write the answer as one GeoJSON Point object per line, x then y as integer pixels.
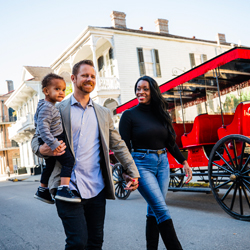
{"type": "Point", "coordinates": [85, 80]}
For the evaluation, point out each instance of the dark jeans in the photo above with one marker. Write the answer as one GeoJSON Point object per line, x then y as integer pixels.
{"type": "Point", "coordinates": [83, 222]}
{"type": "Point", "coordinates": [67, 161]}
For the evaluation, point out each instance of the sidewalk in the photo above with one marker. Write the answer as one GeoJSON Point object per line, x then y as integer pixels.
{"type": "Point", "coordinates": [21, 177]}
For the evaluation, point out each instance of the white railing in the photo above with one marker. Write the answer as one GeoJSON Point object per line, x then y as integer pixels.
{"type": "Point", "coordinates": [108, 83]}
{"type": "Point", "coordinates": [22, 123]}
{"type": "Point", "coordinates": [29, 121]}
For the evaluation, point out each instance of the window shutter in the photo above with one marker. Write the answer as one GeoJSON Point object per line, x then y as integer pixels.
{"type": "Point", "coordinates": [141, 61]}
{"type": "Point", "coordinates": [192, 60]}
{"type": "Point", "coordinates": [156, 61]}
{"type": "Point", "coordinates": [203, 58]}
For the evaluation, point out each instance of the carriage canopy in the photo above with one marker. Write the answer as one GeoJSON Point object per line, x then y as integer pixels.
{"type": "Point", "coordinates": [198, 86]}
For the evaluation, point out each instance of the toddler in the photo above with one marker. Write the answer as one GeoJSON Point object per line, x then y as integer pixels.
{"type": "Point", "coordinates": [49, 129]}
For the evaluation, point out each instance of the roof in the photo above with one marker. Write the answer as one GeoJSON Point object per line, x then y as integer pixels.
{"type": "Point", "coordinates": [162, 35]}
{"type": "Point", "coordinates": [6, 94]}
{"type": "Point", "coordinates": [235, 63]}
{"type": "Point", "coordinates": [81, 38]}
{"type": "Point", "coordinates": [38, 72]}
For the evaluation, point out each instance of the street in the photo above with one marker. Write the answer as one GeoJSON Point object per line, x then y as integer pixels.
{"type": "Point", "coordinates": [201, 224]}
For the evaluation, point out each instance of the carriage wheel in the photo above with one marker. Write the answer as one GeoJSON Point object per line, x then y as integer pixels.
{"type": "Point", "coordinates": [119, 182]}
{"type": "Point", "coordinates": [229, 172]}
{"type": "Point", "coordinates": [176, 181]}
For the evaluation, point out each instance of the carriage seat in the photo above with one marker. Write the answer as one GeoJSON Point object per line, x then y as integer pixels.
{"type": "Point", "coordinates": [240, 123]}
{"type": "Point", "coordinates": [179, 131]}
{"type": "Point", "coordinates": [204, 130]}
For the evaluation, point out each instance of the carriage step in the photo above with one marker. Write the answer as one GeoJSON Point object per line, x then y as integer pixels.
{"type": "Point", "coordinates": [190, 189]}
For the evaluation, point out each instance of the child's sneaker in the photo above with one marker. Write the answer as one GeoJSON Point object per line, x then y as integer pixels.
{"type": "Point", "coordinates": [44, 195]}
{"type": "Point", "coordinates": [65, 194]}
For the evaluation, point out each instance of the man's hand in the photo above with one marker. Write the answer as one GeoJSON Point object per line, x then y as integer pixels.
{"type": "Point", "coordinates": [132, 183]}
{"type": "Point", "coordinates": [47, 151]}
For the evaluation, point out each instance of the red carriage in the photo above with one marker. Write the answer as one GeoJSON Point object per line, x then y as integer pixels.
{"type": "Point", "coordinates": [210, 108]}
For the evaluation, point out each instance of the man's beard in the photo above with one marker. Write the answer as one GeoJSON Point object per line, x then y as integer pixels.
{"type": "Point", "coordinates": [83, 88]}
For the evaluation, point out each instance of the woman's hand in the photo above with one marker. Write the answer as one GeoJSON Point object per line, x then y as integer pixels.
{"type": "Point", "coordinates": [188, 171]}
{"type": "Point", "coordinates": [46, 150]}
{"type": "Point", "coordinates": [132, 183]}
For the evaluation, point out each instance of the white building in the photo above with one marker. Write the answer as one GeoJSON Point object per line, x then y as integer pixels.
{"type": "Point", "coordinates": [120, 55]}
{"type": "Point", "coordinates": [24, 100]}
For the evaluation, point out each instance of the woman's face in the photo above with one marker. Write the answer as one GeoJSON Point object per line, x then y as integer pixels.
{"type": "Point", "coordinates": [143, 92]}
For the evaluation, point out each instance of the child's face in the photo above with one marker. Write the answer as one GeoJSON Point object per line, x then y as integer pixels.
{"type": "Point", "coordinates": [55, 92]}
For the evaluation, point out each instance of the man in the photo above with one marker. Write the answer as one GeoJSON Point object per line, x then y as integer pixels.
{"type": "Point", "coordinates": [90, 134]}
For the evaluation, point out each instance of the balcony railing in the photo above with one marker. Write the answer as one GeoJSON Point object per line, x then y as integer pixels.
{"type": "Point", "coordinates": [108, 83]}
{"type": "Point", "coordinates": [6, 145]}
{"type": "Point", "coordinates": [22, 123]}
{"type": "Point", "coordinates": [7, 118]}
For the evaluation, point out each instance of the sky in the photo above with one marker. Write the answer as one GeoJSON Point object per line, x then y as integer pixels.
{"type": "Point", "coordinates": [36, 32]}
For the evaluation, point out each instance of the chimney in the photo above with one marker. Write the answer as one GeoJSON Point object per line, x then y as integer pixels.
{"type": "Point", "coordinates": [161, 26]}
{"type": "Point", "coordinates": [221, 38]}
{"type": "Point", "coordinates": [118, 19]}
{"type": "Point", "coordinates": [10, 85]}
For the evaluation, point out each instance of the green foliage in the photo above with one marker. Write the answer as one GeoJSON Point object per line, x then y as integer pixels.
{"type": "Point", "coordinates": [69, 89]}
{"type": "Point", "coordinates": [232, 101]}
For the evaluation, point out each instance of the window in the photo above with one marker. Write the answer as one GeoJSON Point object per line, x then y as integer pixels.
{"type": "Point", "coordinates": [111, 54]}
{"type": "Point", "coordinates": [203, 58]}
{"type": "Point", "coordinates": [141, 61]}
{"type": "Point", "coordinates": [106, 64]}
{"type": "Point", "coordinates": [100, 62]}
{"type": "Point", "coordinates": [14, 143]}
{"type": "Point", "coordinates": [149, 62]}
{"type": "Point", "coordinates": [111, 60]}
{"type": "Point", "coordinates": [196, 59]}
{"type": "Point", "coordinates": [156, 61]}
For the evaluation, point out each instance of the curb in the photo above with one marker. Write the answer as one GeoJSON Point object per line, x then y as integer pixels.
{"type": "Point", "coordinates": [26, 178]}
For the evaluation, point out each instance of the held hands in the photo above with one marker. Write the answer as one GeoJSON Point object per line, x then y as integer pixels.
{"type": "Point", "coordinates": [188, 171]}
{"type": "Point", "coordinates": [58, 149]}
{"type": "Point", "coordinates": [132, 183]}
{"type": "Point", "coordinates": [47, 151]}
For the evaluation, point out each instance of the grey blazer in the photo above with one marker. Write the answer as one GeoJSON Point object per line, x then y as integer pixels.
{"type": "Point", "coordinates": [110, 139]}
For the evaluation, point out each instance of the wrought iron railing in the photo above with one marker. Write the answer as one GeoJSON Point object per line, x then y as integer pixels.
{"type": "Point", "coordinates": [7, 118]}
{"type": "Point", "coordinates": [11, 144]}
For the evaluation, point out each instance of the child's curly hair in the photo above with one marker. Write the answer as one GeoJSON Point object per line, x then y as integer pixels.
{"type": "Point", "coordinates": [47, 79]}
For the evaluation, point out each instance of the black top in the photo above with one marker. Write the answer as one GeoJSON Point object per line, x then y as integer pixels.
{"type": "Point", "coordinates": [140, 128]}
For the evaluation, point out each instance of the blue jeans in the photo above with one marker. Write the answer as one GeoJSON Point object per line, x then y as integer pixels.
{"type": "Point", "coordinates": [83, 222]}
{"type": "Point", "coordinates": [153, 184]}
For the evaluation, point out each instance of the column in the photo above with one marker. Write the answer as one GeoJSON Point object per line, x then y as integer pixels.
{"type": "Point", "coordinates": [93, 48]}
{"type": "Point", "coordinates": [21, 154]}
{"type": "Point", "coordinates": [30, 154]}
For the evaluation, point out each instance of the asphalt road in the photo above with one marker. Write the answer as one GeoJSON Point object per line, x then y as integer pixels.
{"type": "Point", "coordinates": [26, 223]}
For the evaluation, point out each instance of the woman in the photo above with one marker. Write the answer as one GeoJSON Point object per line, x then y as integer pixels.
{"type": "Point", "coordinates": [147, 130]}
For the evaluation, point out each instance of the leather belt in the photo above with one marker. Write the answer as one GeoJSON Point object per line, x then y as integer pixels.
{"type": "Point", "coordinates": [159, 152]}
